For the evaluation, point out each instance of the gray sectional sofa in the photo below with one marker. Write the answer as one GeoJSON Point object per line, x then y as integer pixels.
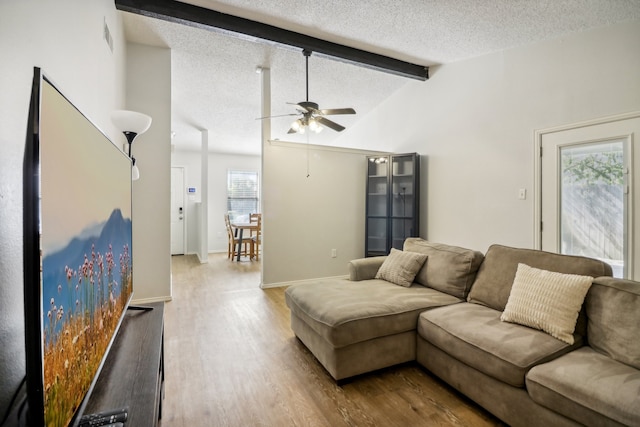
{"type": "Point", "coordinates": [465, 317]}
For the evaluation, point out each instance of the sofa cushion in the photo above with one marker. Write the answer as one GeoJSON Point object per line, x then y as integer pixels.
{"type": "Point", "coordinates": [495, 276]}
{"type": "Point", "coordinates": [613, 310]}
{"type": "Point", "coordinates": [547, 301]}
{"type": "Point", "coordinates": [345, 312]}
{"type": "Point", "coordinates": [401, 267]}
{"type": "Point", "coordinates": [474, 334]}
{"type": "Point", "coordinates": [449, 269]}
{"type": "Point", "coordinates": [589, 387]}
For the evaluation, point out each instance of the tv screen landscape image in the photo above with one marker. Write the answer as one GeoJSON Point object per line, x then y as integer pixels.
{"type": "Point", "coordinates": [78, 186]}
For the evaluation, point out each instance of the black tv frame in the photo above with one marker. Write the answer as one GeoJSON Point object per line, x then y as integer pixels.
{"type": "Point", "coordinates": [28, 405]}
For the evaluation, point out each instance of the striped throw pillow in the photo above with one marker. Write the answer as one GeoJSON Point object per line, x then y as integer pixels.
{"type": "Point", "coordinates": [547, 301]}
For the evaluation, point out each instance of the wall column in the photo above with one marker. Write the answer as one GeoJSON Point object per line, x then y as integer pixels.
{"type": "Point", "coordinates": [203, 249]}
{"type": "Point", "coordinates": [148, 90]}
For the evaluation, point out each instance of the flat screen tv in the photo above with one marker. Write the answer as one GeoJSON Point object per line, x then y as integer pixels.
{"type": "Point", "coordinates": [77, 253]}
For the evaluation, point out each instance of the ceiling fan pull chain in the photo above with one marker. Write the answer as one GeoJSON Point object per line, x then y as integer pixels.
{"type": "Point", "coordinates": [308, 174]}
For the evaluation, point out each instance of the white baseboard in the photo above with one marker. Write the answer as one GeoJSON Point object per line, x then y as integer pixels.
{"type": "Point", "coordinates": [150, 300]}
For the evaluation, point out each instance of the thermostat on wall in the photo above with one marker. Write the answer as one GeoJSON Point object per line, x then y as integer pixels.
{"type": "Point", "coordinates": [191, 190]}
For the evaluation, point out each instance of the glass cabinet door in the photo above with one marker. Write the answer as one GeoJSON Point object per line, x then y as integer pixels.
{"type": "Point", "coordinates": [392, 202]}
{"type": "Point", "coordinates": [377, 206]}
{"type": "Point", "coordinates": [403, 199]}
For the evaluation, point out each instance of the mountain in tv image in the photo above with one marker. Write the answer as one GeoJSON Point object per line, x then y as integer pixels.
{"type": "Point", "coordinates": [85, 288]}
{"type": "Point", "coordinates": [110, 242]}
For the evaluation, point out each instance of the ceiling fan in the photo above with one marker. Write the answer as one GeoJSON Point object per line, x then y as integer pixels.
{"type": "Point", "coordinates": [312, 116]}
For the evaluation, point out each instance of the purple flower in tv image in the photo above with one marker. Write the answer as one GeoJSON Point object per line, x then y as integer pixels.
{"type": "Point", "coordinates": [84, 295]}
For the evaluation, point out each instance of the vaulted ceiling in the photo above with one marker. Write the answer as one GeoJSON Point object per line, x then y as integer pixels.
{"type": "Point", "coordinates": [215, 85]}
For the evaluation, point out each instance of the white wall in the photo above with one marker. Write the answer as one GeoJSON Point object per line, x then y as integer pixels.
{"type": "Point", "coordinates": [149, 92]}
{"type": "Point", "coordinates": [475, 122]}
{"type": "Point", "coordinates": [305, 217]}
{"type": "Point", "coordinates": [219, 164]}
{"type": "Point", "coordinates": [64, 38]}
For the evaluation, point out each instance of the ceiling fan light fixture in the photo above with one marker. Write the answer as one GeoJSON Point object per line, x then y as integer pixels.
{"type": "Point", "coordinates": [314, 125]}
{"type": "Point", "coordinates": [297, 126]}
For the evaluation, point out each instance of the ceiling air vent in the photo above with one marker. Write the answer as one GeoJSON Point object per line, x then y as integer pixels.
{"type": "Point", "coordinates": [107, 36]}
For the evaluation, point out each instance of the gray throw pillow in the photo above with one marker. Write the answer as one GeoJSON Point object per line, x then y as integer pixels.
{"type": "Point", "coordinates": [401, 267]}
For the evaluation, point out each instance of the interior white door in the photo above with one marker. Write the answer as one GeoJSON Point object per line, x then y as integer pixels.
{"type": "Point", "coordinates": [588, 190]}
{"type": "Point", "coordinates": [178, 211]}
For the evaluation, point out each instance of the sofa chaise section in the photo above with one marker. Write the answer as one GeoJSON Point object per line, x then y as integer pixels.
{"type": "Point", "coordinates": [361, 324]}
{"type": "Point", "coordinates": [358, 327]}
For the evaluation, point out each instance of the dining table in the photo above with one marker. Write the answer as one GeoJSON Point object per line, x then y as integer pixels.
{"type": "Point", "coordinates": [239, 228]}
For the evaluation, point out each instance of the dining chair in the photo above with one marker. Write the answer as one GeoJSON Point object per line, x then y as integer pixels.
{"type": "Point", "coordinates": [253, 219]}
{"type": "Point", "coordinates": [256, 240]}
{"type": "Point", "coordinates": [232, 244]}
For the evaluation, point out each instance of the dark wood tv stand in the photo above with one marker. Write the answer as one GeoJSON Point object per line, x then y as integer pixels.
{"type": "Point", "coordinates": [133, 373]}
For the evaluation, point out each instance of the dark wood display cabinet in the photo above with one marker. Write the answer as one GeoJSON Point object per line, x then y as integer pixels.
{"type": "Point", "coordinates": [393, 205]}
{"type": "Point", "coordinates": [133, 372]}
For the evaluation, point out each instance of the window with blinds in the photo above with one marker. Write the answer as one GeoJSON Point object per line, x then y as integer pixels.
{"type": "Point", "coordinates": [242, 194]}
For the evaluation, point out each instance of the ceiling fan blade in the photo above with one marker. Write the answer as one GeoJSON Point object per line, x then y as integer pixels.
{"type": "Point", "coordinates": [292, 130]}
{"type": "Point", "coordinates": [333, 111]}
{"type": "Point", "coordinates": [330, 124]}
{"type": "Point", "coordinates": [299, 108]}
{"type": "Point", "coordinates": [280, 115]}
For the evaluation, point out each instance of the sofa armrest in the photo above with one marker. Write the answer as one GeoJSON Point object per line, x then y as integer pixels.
{"type": "Point", "coordinates": [365, 268]}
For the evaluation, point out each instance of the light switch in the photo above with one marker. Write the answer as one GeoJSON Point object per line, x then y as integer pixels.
{"type": "Point", "coordinates": [522, 193]}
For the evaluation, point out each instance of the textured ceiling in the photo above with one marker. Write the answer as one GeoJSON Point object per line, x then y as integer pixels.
{"type": "Point", "coordinates": [215, 86]}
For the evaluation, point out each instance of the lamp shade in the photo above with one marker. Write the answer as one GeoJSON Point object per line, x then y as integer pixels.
{"type": "Point", "coordinates": [131, 121]}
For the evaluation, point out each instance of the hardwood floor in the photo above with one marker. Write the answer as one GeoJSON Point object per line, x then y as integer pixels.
{"type": "Point", "coordinates": [232, 360]}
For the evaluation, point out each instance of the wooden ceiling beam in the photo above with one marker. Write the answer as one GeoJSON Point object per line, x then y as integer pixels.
{"type": "Point", "coordinates": [195, 16]}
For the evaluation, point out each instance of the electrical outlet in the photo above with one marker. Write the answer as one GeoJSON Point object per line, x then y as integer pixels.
{"type": "Point", "coordinates": [334, 253]}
